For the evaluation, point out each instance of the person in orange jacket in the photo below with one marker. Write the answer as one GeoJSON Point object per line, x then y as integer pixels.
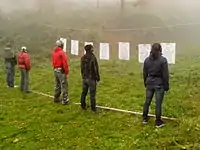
{"type": "Point", "coordinates": [61, 70]}
{"type": "Point", "coordinates": [24, 64]}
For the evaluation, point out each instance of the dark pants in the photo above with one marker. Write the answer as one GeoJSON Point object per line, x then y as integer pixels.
{"type": "Point", "coordinates": [159, 95]}
{"type": "Point", "coordinates": [89, 84]}
{"type": "Point", "coordinates": [10, 74]}
{"type": "Point", "coordinates": [24, 85]}
{"type": "Point", "coordinates": [61, 86]}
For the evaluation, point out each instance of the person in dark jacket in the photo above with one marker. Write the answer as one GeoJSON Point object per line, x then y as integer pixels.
{"type": "Point", "coordinates": [61, 71]}
{"type": "Point", "coordinates": [10, 63]}
{"type": "Point", "coordinates": [156, 81]}
{"type": "Point", "coordinates": [90, 76]}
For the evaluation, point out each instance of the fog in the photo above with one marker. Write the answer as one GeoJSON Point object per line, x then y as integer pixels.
{"type": "Point", "coordinates": [175, 7]}
{"type": "Point", "coordinates": [66, 17]}
{"type": "Point", "coordinates": [182, 10]}
{"type": "Point", "coordinates": [9, 6]}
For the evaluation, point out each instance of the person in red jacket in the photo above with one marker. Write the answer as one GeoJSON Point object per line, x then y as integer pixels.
{"type": "Point", "coordinates": [61, 70]}
{"type": "Point", "coordinates": [24, 64]}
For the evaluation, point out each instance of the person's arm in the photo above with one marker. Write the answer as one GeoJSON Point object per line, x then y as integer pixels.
{"type": "Point", "coordinates": [145, 74]}
{"type": "Point", "coordinates": [27, 62]}
{"type": "Point", "coordinates": [82, 66]}
{"type": "Point", "coordinates": [52, 60]}
{"type": "Point", "coordinates": [65, 63]}
{"type": "Point", "coordinates": [15, 58]}
{"type": "Point", "coordinates": [96, 68]}
{"type": "Point", "coordinates": [165, 75]}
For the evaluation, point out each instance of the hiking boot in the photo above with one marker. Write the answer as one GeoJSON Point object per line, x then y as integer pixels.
{"type": "Point", "coordinates": [159, 123]}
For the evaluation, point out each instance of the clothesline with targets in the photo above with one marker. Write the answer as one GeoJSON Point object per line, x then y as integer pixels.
{"type": "Point", "coordinates": [168, 50]}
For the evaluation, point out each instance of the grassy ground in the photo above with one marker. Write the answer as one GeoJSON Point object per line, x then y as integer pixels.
{"type": "Point", "coordinates": [34, 122]}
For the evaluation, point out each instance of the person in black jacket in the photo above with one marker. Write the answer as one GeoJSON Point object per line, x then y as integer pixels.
{"type": "Point", "coordinates": [156, 81]}
{"type": "Point", "coordinates": [90, 76]}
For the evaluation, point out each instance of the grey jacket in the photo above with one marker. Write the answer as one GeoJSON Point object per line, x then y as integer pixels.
{"type": "Point", "coordinates": [10, 56]}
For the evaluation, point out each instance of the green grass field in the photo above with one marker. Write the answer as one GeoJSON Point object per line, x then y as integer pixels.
{"type": "Point", "coordinates": [34, 122]}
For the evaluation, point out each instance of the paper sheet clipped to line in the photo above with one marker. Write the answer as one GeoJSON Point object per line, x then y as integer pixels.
{"type": "Point", "coordinates": [65, 44]}
{"type": "Point", "coordinates": [104, 51]}
{"type": "Point", "coordinates": [124, 51]}
{"type": "Point", "coordinates": [74, 47]}
{"type": "Point", "coordinates": [169, 51]}
{"type": "Point", "coordinates": [143, 52]}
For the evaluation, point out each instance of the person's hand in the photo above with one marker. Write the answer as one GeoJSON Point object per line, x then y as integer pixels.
{"type": "Point", "coordinates": [166, 89]}
{"type": "Point", "coordinates": [145, 84]}
{"type": "Point", "coordinates": [98, 79]}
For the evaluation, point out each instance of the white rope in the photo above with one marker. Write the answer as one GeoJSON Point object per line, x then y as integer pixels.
{"type": "Point", "coordinates": [108, 108]}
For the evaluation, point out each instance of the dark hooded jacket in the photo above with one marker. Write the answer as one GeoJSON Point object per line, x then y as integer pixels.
{"type": "Point", "coordinates": [90, 67]}
{"type": "Point", "coordinates": [155, 72]}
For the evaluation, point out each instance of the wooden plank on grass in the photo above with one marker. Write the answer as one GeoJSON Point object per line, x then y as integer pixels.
{"type": "Point", "coordinates": [108, 108]}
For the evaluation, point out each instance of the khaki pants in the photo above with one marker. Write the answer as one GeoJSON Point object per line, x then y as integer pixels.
{"type": "Point", "coordinates": [61, 86]}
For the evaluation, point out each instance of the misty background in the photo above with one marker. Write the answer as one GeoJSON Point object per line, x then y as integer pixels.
{"type": "Point", "coordinates": [38, 23]}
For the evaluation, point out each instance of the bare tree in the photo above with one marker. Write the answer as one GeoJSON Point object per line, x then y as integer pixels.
{"type": "Point", "coordinates": [44, 5]}
{"type": "Point", "coordinates": [97, 3]}
{"type": "Point", "coordinates": [122, 4]}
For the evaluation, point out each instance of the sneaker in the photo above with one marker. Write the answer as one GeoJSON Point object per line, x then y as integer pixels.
{"type": "Point", "coordinates": [16, 86]}
{"type": "Point", "coordinates": [8, 86]}
{"type": "Point", "coordinates": [145, 121]}
{"type": "Point", "coordinates": [65, 102]}
{"type": "Point", "coordinates": [159, 124]}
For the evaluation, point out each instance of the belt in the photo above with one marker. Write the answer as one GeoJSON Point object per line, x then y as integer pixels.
{"type": "Point", "coordinates": [58, 69]}
{"type": "Point", "coordinates": [155, 76]}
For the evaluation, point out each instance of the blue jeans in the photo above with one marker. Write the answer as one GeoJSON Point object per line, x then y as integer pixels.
{"type": "Point", "coordinates": [159, 95]}
{"type": "Point", "coordinates": [89, 84]}
{"type": "Point", "coordinates": [10, 74]}
{"type": "Point", "coordinates": [24, 80]}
